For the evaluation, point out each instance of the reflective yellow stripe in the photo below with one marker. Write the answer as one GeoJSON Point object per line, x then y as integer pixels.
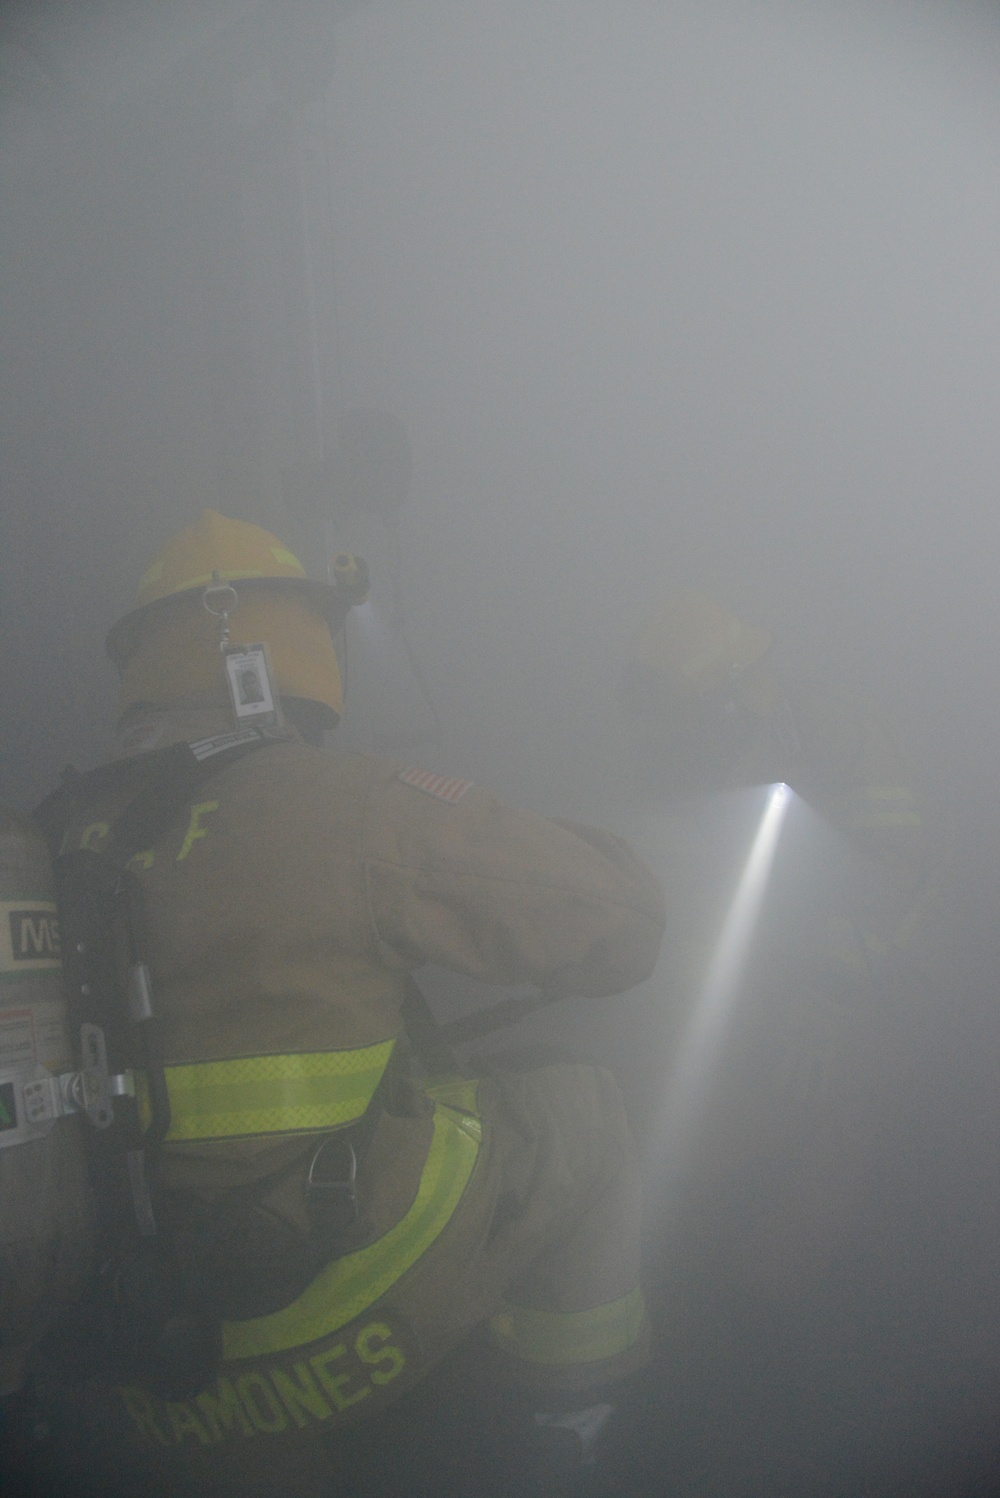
{"type": "Point", "coordinates": [287, 1094]}
{"type": "Point", "coordinates": [567, 1337]}
{"type": "Point", "coordinates": [348, 1286]}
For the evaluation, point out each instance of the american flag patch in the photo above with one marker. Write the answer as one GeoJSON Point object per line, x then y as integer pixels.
{"type": "Point", "coordinates": [445, 787]}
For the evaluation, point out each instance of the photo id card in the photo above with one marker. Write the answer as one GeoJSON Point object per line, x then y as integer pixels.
{"type": "Point", "coordinates": [251, 686]}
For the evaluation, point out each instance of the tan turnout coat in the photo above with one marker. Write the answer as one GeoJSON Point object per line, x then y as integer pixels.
{"type": "Point", "coordinates": [286, 907]}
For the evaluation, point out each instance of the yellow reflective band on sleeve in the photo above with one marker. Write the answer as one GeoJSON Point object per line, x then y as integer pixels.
{"type": "Point", "coordinates": [348, 1286]}
{"type": "Point", "coordinates": [881, 806]}
{"type": "Point", "coordinates": [250, 1095]}
{"type": "Point", "coordinates": [570, 1337]}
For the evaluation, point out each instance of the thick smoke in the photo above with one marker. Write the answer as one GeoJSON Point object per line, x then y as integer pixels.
{"type": "Point", "coordinates": [700, 293]}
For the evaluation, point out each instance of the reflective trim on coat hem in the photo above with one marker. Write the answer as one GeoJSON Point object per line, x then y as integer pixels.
{"type": "Point", "coordinates": [568, 1337]}
{"type": "Point", "coordinates": [348, 1286]}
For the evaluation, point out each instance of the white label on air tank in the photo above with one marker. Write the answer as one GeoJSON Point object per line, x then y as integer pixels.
{"type": "Point", "coordinates": [35, 1034]}
{"type": "Point", "coordinates": [17, 1037]}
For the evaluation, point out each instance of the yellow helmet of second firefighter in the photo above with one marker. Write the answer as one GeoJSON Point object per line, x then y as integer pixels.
{"type": "Point", "coordinates": [690, 649]}
{"type": "Point", "coordinates": [694, 646]}
{"type": "Point", "coordinates": [167, 647]}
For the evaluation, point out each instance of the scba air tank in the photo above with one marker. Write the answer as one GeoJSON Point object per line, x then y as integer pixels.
{"type": "Point", "coordinates": [46, 1217]}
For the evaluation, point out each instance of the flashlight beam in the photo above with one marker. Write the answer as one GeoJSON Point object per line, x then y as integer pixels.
{"type": "Point", "coordinates": [706, 1029]}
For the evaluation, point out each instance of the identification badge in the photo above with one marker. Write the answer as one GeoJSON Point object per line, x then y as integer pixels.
{"type": "Point", "coordinates": [251, 686]}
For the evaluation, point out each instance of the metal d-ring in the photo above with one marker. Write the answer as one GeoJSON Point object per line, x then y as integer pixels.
{"type": "Point", "coordinates": [226, 597]}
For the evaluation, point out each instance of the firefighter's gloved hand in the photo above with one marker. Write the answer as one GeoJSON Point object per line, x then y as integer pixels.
{"type": "Point", "coordinates": [585, 1425]}
{"type": "Point", "coordinates": [563, 1453]}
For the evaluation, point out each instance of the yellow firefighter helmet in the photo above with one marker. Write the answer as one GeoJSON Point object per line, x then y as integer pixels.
{"type": "Point", "coordinates": [692, 646]}
{"type": "Point", "coordinates": [696, 677]}
{"type": "Point", "coordinates": [166, 647]}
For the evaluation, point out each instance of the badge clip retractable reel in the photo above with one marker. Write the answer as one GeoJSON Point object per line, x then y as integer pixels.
{"type": "Point", "coordinates": [249, 678]}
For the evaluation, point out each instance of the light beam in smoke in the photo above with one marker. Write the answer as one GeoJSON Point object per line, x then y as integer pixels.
{"type": "Point", "coordinates": [706, 1029]}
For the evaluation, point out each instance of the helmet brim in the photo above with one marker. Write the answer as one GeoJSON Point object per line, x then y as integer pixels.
{"type": "Point", "coordinates": [326, 598]}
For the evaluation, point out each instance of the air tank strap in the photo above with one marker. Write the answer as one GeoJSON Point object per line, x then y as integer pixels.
{"type": "Point", "coordinates": [100, 908]}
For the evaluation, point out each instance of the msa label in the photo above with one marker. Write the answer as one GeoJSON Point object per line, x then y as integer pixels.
{"type": "Point", "coordinates": [29, 936]}
{"type": "Point", "coordinates": [8, 1107]}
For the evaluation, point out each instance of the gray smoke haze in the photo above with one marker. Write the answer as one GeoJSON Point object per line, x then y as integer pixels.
{"type": "Point", "coordinates": [664, 294]}
{"type": "Point", "coordinates": [656, 286]}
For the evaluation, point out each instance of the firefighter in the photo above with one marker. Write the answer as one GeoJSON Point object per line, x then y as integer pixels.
{"type": "Point", "coordinates": [833, 1015]}
{"type": "Point", "coordinates": [716, 713]}
{"type": "Point", "coordinates": [286, 907]}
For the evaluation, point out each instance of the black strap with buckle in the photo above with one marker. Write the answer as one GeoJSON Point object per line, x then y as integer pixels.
{"type": "Point", "coordinates": [331, 1188]}
{"type": "Point", "coordinates": [332, 1181]}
